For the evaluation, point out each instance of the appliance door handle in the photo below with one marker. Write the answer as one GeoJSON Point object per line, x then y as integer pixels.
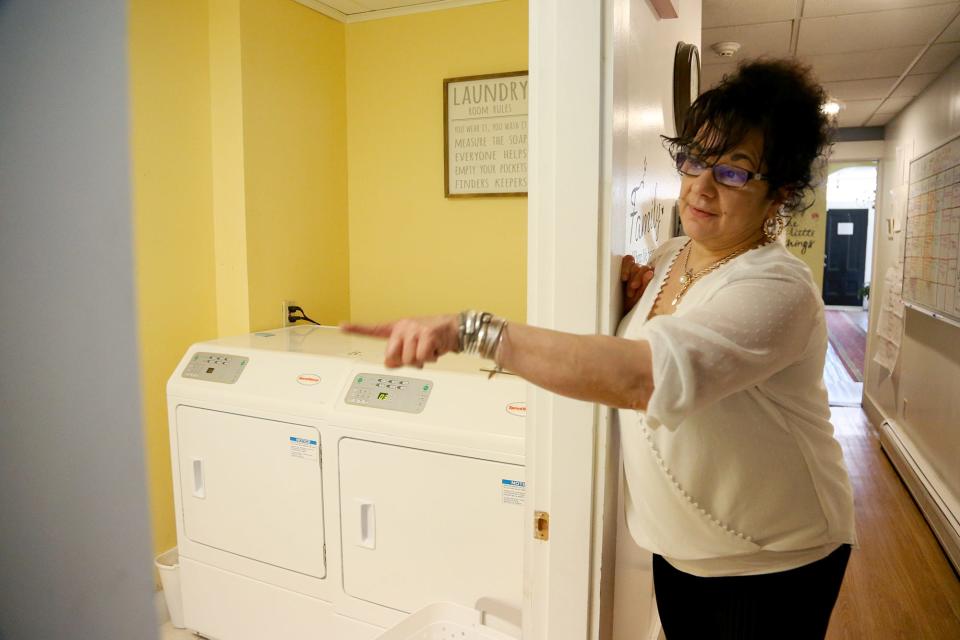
{"type": "Point", "coordinates": [368, 525]}
{"type": "Point", "coordinates": [199, 483]}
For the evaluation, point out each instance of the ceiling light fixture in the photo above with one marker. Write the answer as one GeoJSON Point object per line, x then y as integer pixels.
{"type": "Point", "coordinates": [831, 108]}
{"type": "Point", "coordinates": [725, 49]}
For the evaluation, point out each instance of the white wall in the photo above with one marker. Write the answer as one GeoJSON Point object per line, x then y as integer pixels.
{"type": "Point", "coordinates": [927, 376]}
{"type": "Point", "coordinates": [640, 94]}
{"type": "Point", "coordinates": [74, 542]}
{"type": "Point", "coordinates": [602, 73]}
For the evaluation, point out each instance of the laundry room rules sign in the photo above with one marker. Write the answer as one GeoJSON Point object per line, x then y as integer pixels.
{"type": "Point", "coordinates": [485, 135]}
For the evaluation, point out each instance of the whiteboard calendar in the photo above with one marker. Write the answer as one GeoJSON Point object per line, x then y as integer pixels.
{"type": "Point", "coordinates": [933, 232]}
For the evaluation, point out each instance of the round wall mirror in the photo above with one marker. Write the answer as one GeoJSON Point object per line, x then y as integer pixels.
{"type": "Point", "coordinates": [686, 81]}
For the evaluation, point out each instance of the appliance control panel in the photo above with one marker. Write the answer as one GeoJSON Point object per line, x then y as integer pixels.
{"type": "Point", "coordinates": [215, 367]}
{"type": "Point", "coordinates": [384, 391]}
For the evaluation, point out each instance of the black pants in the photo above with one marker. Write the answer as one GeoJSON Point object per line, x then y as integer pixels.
{"type": "Point", "coordinates": [788, 604]}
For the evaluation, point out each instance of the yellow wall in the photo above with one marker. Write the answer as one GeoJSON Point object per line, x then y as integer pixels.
{"type": "Point", "coordinates": [170, 139]}
{"type": "Point", "coordinates": [239, 159]}
{"type": "Point", "coordinates": [412, 251]}
{"type": "Point", "coordinates": [229, 202]}
{"type": "Point", "coordinates": [295, 161]}
{"type": "Point", "coordinates": [240, 130]}
{"type": "Point", "coordinates": [806, 234]}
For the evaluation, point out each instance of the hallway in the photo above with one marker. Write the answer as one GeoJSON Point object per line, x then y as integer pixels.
{"type": "Point", "coordinates": [843, 370]}
{"type": "Point", "coordinates": [899, 583]}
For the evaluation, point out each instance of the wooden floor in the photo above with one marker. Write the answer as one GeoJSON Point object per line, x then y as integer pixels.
{"type": "Point", "coordinates": [898, 584]}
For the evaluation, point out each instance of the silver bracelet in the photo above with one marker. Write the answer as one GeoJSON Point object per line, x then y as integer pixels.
{"type": "Point", "coordinates": [461, 330]}
{"type": "Point", "coordinates": [490, 346]}
{"type": "Point", "coordinates": [470, 323]}
{"type": "Point", "coordinates": [480, 331]}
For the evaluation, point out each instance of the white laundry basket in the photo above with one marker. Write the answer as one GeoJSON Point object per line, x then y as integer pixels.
{"type": "Point", "coordinates": [168, 564]}
{"type": "Point", "coordinates": [444, 621]}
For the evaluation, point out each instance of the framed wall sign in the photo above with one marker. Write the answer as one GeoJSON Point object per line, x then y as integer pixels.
{"type": "Point", "coordinates": [485, 135]}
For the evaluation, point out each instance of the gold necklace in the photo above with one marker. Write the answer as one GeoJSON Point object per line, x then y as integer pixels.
{"type": "Point", "coordinates": [688, 278]}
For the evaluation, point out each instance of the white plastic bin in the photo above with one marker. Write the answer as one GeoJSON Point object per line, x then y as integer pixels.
{"type": "Point", "coordinates": [168, 564]}
{"type": "Point", "coordinates": [444, 621]}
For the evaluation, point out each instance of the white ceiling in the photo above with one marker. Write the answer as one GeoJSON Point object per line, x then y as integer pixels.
{"type": "Point", "coordinates": [362, 10]}
{"type": "Point", "coordinates": [873, 56]}
{"type": "Point", "coordinates": [351, 7]}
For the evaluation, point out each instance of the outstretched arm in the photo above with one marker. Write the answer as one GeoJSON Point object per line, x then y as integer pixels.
{"type": "Point", "coordinates": [613, 371]}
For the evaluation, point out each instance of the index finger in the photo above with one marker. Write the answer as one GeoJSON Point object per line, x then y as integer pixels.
{"type": "Point", "coordinates": [374, 330]}
{"type": "Point", "coordinates": [625, 265]}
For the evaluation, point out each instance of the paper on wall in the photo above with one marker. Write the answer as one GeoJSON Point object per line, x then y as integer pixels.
{"type": "Point", "coordinates": [890, 325]}
{"type": "Point", "coordinates": [886, 356]}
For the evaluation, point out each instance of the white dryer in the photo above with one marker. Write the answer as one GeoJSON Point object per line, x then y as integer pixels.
{"type": "Point", "coordinates": [322, 496]}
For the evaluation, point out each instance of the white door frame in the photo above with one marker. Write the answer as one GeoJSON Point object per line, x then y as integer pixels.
{"type": "Point", "coordinates": [564, 444]}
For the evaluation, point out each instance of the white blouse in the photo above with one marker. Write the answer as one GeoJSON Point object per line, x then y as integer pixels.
{"type": "Point", "coordinates": [733, 468]}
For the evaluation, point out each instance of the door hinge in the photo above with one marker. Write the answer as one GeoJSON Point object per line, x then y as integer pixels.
{"type": "Point", "coordinates": [541, 525]}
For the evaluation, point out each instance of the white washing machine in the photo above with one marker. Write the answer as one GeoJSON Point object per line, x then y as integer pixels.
{"type": "Point", "coordinates": [322, 496]}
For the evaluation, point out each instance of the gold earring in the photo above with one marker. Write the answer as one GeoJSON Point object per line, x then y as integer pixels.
{"type": "Point", "coordinates": [773, 227]}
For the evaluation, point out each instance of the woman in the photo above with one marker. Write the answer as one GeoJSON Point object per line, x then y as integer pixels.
{"type": "Point", "coordinates": [734, 479]}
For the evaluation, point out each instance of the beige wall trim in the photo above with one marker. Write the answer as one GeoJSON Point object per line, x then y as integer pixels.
{"type": "Point", "coordinates": [866, 150]}
{"type": "Point", "coordinates": [326, 10]}
{"type": "Point", "coordinates": [378, 14]}
{"type": "Point", "coordinates": [926, 489]}
{"type": "Point", "coordinates": [874, 414]}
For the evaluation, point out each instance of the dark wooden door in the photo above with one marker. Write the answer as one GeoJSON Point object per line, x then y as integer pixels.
{"type": "Point", "coordinates": [844, 264]}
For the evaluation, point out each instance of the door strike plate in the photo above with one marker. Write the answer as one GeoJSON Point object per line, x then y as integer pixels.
{"type": "Point", "coordinates": [541, 525]}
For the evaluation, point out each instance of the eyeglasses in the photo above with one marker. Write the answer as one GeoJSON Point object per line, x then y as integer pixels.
{"type": "Point", "coordinates": [725, 174]}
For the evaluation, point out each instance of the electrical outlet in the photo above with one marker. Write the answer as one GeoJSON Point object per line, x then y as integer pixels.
{"type": "Point", "coordinates": [286, 314]}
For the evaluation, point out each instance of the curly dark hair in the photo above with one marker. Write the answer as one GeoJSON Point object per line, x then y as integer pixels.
{"type": "Point", "coordinates": [781, 99]}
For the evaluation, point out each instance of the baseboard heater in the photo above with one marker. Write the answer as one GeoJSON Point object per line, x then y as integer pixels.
{"type": "Point", "coordinates": [938, 506]}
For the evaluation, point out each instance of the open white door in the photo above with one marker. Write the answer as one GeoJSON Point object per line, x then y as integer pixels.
{"type": "Point", "coordinates": [601, 78]}
{"type": "Point", "coordinates": [566, 46]}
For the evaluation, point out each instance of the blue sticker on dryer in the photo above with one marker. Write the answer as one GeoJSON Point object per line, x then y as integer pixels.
{"type": "Point", "coordinates": [304, 448]}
